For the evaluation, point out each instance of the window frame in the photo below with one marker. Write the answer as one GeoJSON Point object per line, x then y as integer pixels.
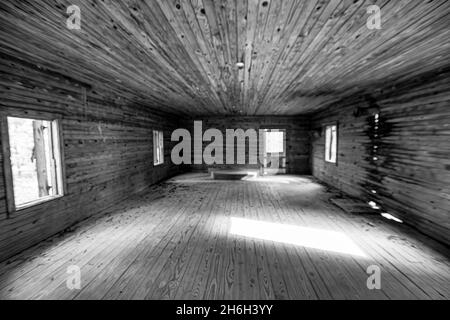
{"type": "Point", "coordinates": [56, 120]}
{"type": "Point", "coordinates": [326, 126]}
{"type": "Point", "coordinates": [270, 131]}
{"type": "Point", "coordinates": [158, 147]}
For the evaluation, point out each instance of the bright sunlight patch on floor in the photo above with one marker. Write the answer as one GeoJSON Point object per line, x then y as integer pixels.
{"type": "Point", "coordinates": [301, 236]}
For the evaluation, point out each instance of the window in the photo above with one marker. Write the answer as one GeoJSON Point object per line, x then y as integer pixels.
{"type": "Point", "coordinates": [158, 147]}
{"type": "Point", "coordinates": [33, 168]}
{"type": "Point", "coordinates": [274, 141]}
{"type": "Point", "coordinates": [331, 144]}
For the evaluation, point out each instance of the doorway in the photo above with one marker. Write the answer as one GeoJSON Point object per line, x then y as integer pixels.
{"type": "Point", "coordinates": [274, 151]}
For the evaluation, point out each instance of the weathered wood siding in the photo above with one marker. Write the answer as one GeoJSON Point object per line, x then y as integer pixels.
{"type": "Point", "coordinates": [107, 145]}
{"type": "Point", "coordinates": [297, 138]}
{"type": "Point", "coordinates": [411, 171]}
{"type": "Point", "coordinates": [182, 54]}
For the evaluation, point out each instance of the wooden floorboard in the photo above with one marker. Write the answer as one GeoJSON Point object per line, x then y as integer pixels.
{"type": "Point", "coordinates": [175, 242]}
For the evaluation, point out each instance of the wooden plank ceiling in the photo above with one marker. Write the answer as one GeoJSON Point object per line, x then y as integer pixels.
{"type": "Point", "coordinates": [181, 55]}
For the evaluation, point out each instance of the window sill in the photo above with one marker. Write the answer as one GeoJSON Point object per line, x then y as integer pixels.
{"type": "Point", "coordinates": [36, 203]}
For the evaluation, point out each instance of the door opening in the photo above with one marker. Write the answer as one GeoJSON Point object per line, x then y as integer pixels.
{"type": "Point", "coordinates": [274, 151]}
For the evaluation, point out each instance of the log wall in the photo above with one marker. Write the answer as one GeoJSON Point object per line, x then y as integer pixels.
{"type": "Point", "coordinates": [107, 145]}
{"type": "Point", "coordinates": [297, 139]}
{"type": "Point", "coordinates": [404, 165]}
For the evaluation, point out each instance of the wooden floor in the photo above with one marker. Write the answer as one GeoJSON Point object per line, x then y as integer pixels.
{"type": "Point", "coordinates": [174, 242]}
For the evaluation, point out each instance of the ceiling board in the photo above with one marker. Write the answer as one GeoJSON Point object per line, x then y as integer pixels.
{"type": "Point", "coordinates": [181, 55]}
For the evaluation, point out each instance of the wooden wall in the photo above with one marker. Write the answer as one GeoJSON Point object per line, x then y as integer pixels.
{"type": "Point", "coordinates": [297, 138]}
{"type": "Point", "coordinates": [107, 145]}
{"type": "Point", "coordinates": [410, 173]}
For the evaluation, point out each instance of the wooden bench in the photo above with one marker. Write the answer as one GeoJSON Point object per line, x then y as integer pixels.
{"type": "Point", "coordinates": [233, 174]}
